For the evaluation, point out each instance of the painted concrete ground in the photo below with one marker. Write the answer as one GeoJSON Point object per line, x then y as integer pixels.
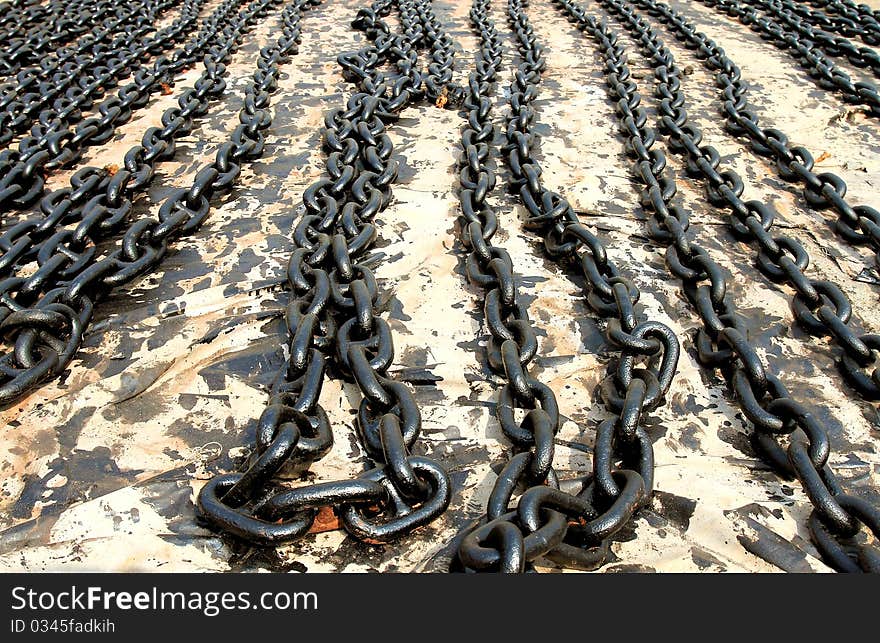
{"type": "Point", "coordinates": [100, 468]}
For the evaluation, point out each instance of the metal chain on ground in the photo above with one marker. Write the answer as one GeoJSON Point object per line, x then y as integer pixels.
{"type": "Point", "coordinates": [333, 314]}
{"type": "Point", "coordinates": [54, 145]}
{"type": "Point", "coordinates": [856, 224]}
{"type": "Point", "coordinates": [34, 86]}
{"type": "Point", "coordinates": [58, 90]}
{"type": "Point", "coordinates": [569, 522]}
{"type": "Point", "coordinates": [98, 201]}
{"type": "Point", "coordinates": [836, 34]}
{"type": "Point", "coordinates": [823, 72]}
{"type": "Point", "coordinates": [43, 316]}
{"type": "Point", "coordinates": [50, 26]}
{"type": "Point", "coordinates": [722, 344]}
{"type": "Point", "coordinates": [850, 19]}
{"type": "Point", "coordinates": [819, 306]}
{"type": "Point", "coordinates": [20, 18]}
{"type": "Point", "coordinates": [788, 13]}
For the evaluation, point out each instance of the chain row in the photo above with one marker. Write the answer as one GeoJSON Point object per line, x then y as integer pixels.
{"type": "Point", "coordinates": [800, 18]}
{"type": "Point", "coordinates": [32, 31]}
{"type": "Point", "coordinates": [334, 316]}
{"type": "Point", "coordinates": [56, 92]}
{"type": "Point", "coordinates": [98, 202]}
{"type": "Point", "coordinates": [722, 342]}
{"type": "Point", "coordinates": [43, 316]}
{"type": "Point", "coordinates": [824, 72]}
{"type": "Point", "coordinates": [820, 306]}
{"type": "Point", "coordinates": [55, 144]}
{"type": "Point", "coordinates": [569, 522]}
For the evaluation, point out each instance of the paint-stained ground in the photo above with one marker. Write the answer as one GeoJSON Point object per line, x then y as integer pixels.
{"type": "Point", "coordinates": [100, 468]}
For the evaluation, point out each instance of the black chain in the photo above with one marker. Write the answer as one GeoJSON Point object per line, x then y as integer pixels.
{"type": "Point", "coordinates": [722, 343]}
{"type": "Point", "coordinates": [824, 72]}
{"type": "Point", "coordinates": [787, 259]}
{"type": "Point", "coordinates": [34, 31]}
{"type": "Point", "coordinates": [54, 144]}
{"type": "Point", "coordinates": [849, 19]}
{"type": "Point", "coordinates": [803, 20]}
{"type": "Point", "coordinates": [569, 522]}
{"type": "Point", "coordinates": [58, 90]}
{"type": "Point", "coordinates": [99, 201]}
{"type": "Point", "coordinates": [820, 306]}
{"type": "Point", "coordinates": [45, 314]}
{"type": "Point", "coordinates": [856, 224]}
{"type": "Point", "coordinates": [55, 267]}
{"type": "Point", "coordinates": [333, 314]}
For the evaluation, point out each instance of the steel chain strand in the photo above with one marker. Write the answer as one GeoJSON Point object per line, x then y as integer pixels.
{"type": "Point", "coordinates": [489, 267]}
{"type": "Point", "coordinates": [333, 315]}
{"type": "Point", "coordinates": [819, 307]}
{"type": "Point", "coordinates": [722, 343]}
{"type": "Point", "coordinates": [856, 224]}
{"type": "Point", "coordinates": [107, 20]}
{"type": "Point", "coordinates": [79, 76]}
{"type": "Point", "coordinates": [42, 349]}
{"type": "Point", "coordinates": [850, 19]}
{"type": "Point", "coordinates": [823, 72]}
{"type": "Point", "coordinates": [60, 90]}
{"type": "Point", "coordinates": [59, 24]}
{"type": "Point", "coordinates": [839, 31]}
{"type": "Point", "coordinates": [574, 528]}
{"type": "Point", "coordinates": [102, 200]}
{"type": "Point", "coordinates": [26, 79]}
{"type": "Point", "coordinates": [788, 13]}
{"type": "Point", "coordinates": [22, 172]}
{"type": "Point", "coordinates": [821, 20]}
{"type": "Point", "coordinates": [98, 201]}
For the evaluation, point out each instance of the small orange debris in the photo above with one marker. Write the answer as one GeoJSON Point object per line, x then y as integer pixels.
{"type": "Point", "coordinates": [326, 520]}
{"type": "Point", "coordinates": [443, 98]}
{"type": "Point", "coordinates": [166, 88]}
{"type": "Point", "coordinates": [111, 169]}
{"type": "Point", "coordinates": [823, 156]}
